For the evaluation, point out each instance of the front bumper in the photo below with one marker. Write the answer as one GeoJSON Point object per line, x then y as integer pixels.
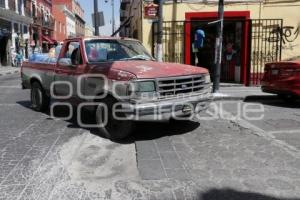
{"type": "Point", "coordinates": [164, 110]}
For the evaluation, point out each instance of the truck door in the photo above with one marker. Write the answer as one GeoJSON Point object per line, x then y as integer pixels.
{"type": "Point", "coordinates": [66, 72]}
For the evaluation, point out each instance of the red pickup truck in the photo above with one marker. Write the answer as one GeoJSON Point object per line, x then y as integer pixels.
{"type": "Point", "coordinates": [121, 81]}
{"type": "Point", "coordinates": [282, 78]}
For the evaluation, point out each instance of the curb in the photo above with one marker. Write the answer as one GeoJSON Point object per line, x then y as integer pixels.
{"type": "Point", "coordinates": [9, 72]}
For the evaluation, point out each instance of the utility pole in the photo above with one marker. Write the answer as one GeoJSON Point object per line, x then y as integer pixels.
{"type": "Point", "coordinates": [96, 17]}
{"type": "Point", "coordinates": [159, 49]}
{"type": "Point", "coordinates": [218, 54]}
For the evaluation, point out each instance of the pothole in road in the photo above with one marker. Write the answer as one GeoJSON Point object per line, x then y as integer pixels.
{"type": "Point", "coordinates": [96, 162]}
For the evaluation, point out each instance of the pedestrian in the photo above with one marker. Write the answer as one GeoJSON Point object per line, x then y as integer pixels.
{"type": "Point", "coordinates": [19, 58]}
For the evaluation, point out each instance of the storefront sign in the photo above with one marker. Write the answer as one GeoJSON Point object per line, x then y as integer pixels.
{"type": "Point", "coordinates": [151, 10]}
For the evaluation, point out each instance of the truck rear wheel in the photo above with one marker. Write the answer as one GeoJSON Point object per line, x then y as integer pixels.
{"type": "Point", "coordinates": [114, 129]}
{"type": "Point", "coordinates": [39, 100]}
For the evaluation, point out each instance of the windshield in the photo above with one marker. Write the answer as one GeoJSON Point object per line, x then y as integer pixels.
{"type": "Point", "coordinates": [115, 50]}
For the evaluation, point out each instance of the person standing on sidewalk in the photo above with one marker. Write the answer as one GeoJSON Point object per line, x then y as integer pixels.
{"type": "Point", "coordinates": [19, 59]}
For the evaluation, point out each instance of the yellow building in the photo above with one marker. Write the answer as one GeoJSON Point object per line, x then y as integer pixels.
{"type": "Point", "coordinates": [255, 32]}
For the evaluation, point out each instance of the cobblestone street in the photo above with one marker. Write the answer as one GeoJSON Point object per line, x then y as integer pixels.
{"type": "Point", "coordinates": [44, 158]}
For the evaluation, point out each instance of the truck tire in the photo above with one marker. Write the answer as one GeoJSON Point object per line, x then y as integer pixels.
{"type": "Point", "coordinates": [114, 129]}
{"type": "Point", "coordinates": [39, 100]}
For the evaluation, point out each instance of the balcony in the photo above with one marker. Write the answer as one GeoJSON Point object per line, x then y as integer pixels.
{"type": "Point", "coordinates": [39, 19]}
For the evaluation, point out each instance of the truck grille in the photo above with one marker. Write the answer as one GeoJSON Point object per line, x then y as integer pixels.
{"type": "Point", "coordinates": [168, 87]}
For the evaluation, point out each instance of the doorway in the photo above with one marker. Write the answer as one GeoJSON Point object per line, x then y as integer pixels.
{"type": "Point", "coordinates": [235, 43]}
{"type": "Point", "coordinates": [232, 47]}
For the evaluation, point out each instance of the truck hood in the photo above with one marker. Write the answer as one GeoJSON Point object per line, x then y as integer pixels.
{"type": "Point", "coordinates": [152, 69]}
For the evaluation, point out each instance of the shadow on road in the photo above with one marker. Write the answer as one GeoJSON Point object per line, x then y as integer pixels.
{"type": "Point", "coordinates": [230, 194]}
{"type": "Point", "coordinates": [142, 130]}
{"type": "Point", "coordinates": [274, 101]}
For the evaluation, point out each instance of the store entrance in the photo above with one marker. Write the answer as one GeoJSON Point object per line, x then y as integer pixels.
{"type": "Point", "coordinates": [232, 47]}
{"type": "Point", "coordinates": [4, 51]}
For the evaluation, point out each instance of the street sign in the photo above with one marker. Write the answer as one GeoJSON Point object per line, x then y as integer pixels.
{"type": "Point", "coordinates": [151, 10]}
{"type": "Point", "coordinates": [100, 19]}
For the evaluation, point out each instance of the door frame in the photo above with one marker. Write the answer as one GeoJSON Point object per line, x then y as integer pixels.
{"type": "Point", "coordinates": [211, 16]}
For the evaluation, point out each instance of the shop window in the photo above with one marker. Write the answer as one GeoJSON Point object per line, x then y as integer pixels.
{"type": "Point", "coordinates": [16, 27]}
{"type": "Point", "coordinates": [25, 30]}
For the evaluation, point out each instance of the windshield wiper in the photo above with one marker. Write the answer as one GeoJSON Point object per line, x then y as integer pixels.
{"type": "Point", "coordinates": [137, 57]}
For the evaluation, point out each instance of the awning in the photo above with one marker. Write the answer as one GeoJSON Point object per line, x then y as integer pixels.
{"type": "Point", "coordinates": [49, 40]}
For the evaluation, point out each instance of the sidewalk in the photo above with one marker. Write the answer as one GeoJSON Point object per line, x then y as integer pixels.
{"type": "Point", "coordinates": [242, 93]}
{"type": "Point", "coordinates": [6, 70]}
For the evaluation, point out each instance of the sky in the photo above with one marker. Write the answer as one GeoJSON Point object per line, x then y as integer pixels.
{"type": "Point", "coordinates": [88, 7]}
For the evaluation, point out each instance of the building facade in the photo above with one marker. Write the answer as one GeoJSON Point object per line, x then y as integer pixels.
{"type": "Point", "coordinates": [89, 31]}
{"type": "Point", "coordinates": [60, 24]}
{"type": "Point", "coordinates": [66, 22]}
{"type": "Point", "coordinates": [75, 8]}
{"type": "Point", "coordinates": [42, 28]}
{"type": "Point", "coordinates": [255, 32]}
{"type": "Point", "coordinates": [15, 20]}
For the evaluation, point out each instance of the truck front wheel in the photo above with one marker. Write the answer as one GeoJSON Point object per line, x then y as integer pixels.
{"type": "Point", "coordinates": [39, 100]}
{"type": "Point", "coordinates": [114, 129]}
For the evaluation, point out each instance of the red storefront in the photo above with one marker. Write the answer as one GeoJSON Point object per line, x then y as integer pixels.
{"type": "Point", "coordinates": [236, 34]}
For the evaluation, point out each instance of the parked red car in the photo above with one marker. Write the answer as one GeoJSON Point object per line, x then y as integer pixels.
{"type": "Point", "coordinates": [282, 78]}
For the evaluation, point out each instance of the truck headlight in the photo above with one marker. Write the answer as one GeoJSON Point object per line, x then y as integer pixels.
{"type": "Point", "coordinates": [145, 86]}
{"type": "Point", "coordinates": [207, 78]}
{"type": "Point", "coordinates": [142, 89]}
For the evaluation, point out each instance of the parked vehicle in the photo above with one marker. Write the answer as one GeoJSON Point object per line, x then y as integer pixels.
{"type": "Point", "coordinates": [282, 78]}
{"type": "Point", "coordinates": [120, 74]}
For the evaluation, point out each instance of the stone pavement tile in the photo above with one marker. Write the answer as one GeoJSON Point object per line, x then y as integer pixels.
{"type": "Point", "coordinates": [177, 139]}
{"type": "Point", "coordinates": [280, 184]}
{"type": "Point", "coordinates": [170, 160]}
{"type": "Point", "coordinates": [179, 174]}
{"type": "Point", "coordinates": [181, 147]}
{"type": "Point", "coordinates": [164, 144]}
{"type": "Point", "coordinates": [10, 191]}
{"type": "Point", "coordinates": [31, 161]}
{"type": "Point", "coordinates": [198, 174]}
{"type": "Point", "coordinates": [165, 195]}
{"type": "Point", "coordinates": [242, 173]}
{"type": "Point", "coordinates": [220, 174]}
{"type": "Point", "coordinates": [255, 184]}
{"type": "Point", "coordinates": [151, 169]}
{"type": "Point", "coordinates": [232, 183]}
{"type": "Point", "coordinates": [146, 150]}
{"type": "Point", "coordinates": [291, 174]}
